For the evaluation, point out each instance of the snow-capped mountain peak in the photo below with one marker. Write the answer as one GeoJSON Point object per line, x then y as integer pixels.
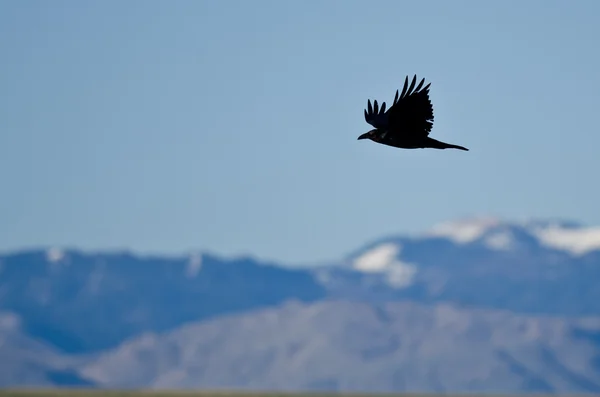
{"type": "Point", "coordinates": [492, 232]}
{"type": "Point", "coordinates": [463, 230]}
{"type": "Point", "coordinates": [500, 235]}
{"type": "Point", "coordinates": [575, 240]}
{"type": "Point", "coordinates": [385, 258]}
{"type": "Point", "coordinates": [55, 255]}
{"type": "Point", "coordinates": [377, 259]}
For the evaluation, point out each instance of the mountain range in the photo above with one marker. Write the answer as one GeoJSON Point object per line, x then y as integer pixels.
{"type": "Point", "coordinates": [476, 304]}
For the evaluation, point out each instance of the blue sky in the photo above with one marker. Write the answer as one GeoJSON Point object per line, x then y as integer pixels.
{"type": "Point", "coordinates": [231, 126]}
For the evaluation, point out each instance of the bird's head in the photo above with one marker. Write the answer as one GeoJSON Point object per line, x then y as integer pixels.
{"type": "Point", "coordinates": [369, 134]}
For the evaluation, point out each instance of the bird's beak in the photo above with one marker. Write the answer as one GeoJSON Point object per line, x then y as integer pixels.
{"type": "Point", "coordinates": [364, 136]}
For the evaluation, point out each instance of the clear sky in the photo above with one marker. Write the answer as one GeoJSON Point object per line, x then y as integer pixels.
{"type": "Point", "coordinates": [231, 126]}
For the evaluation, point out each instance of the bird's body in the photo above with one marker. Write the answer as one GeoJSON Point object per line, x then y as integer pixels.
{"type": "Point", "coordinates": [407, 123]}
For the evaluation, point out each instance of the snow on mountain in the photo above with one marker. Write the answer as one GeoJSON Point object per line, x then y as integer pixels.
{"type": "Point", "coordinates": [575, 240]}
{"type": "Point", "coordinates": [500, 240]}
{"type": "Point", "coordinates": [194, 265]}
{"type": "Point", "coordinates": [454, 260]}
{"type": "Point", "coordinates": [55, 255]}
{"type": "Point", "coordinates": [384, 258]}
{"type": "Point", "coordinates": [463, 230]}
{"type": "Point", "coordinates": [496, 234]}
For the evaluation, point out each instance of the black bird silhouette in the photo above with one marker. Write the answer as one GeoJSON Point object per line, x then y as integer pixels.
{"type": "Point", "coordinates": [407, 123]}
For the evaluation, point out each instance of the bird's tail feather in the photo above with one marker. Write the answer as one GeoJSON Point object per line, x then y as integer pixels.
{"type": "Point", "coordinates": [435, 144]}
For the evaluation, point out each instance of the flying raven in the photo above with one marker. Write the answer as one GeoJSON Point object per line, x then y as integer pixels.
{"type": "Point", "coordinates": [407, 123]}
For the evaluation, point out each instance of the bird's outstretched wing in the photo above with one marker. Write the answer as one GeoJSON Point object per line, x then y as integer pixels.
{"type": "Point", "coordinates": [376, 116]}
{"type": "Point", "coordinates": [412, 112]}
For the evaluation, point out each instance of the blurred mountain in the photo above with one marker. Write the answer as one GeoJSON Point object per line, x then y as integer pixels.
{"type": "Point", "coordinates": [82, 302]}
{"type": "Point", "coordinates": [74, 305]}
{"type": "Point", "coordinates": [350, 346]}
{"type": "Point", "coordinates": [26, 361]}
{"type": "Point", "coordinates": [534, 267]}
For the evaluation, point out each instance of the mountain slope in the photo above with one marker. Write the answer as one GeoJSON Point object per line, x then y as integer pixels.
{"type": "Point", "coordinates": [26, 361]}
{"type": "Point", "coordinates": [92, 318]}
{"type": "Point", "coordinates": [83, 302]}
{"type": "Point", "coordinates": [535, 267]}
{"type": "Point", "coordinates": [77, 302]}
{"type": "Point", "coordinates": [349, 346]}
